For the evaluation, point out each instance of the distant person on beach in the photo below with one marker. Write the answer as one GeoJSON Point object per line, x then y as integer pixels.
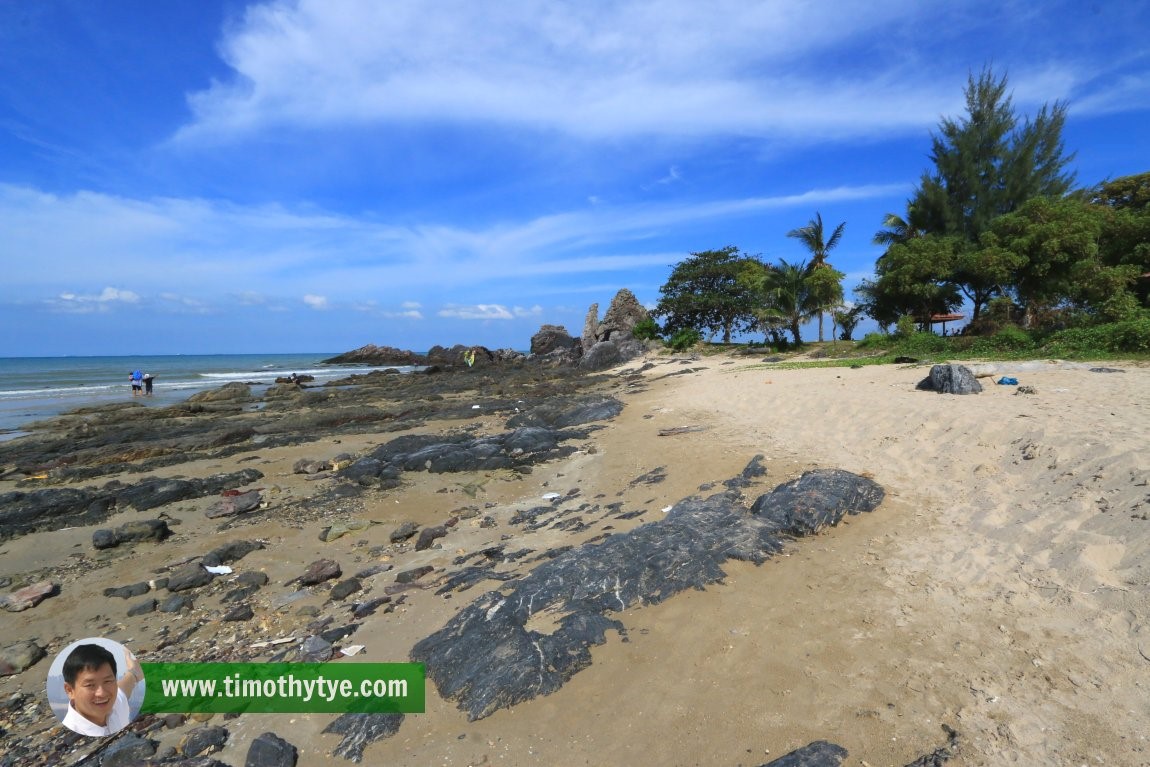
{"type": "Point", "coordinates": [148, 378]}
{"type": "Point", "coordinates": [137, 379]}
{"type": "Point", "coordinates": [97, 700]}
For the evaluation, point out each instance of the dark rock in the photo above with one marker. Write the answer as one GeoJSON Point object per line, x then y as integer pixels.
{"type": "Point", "coordinates": [377, 355]}
{"type": "Point", "coordinates": [128, 750]}
{"type": "Point", "coordinates": [428, 536]}
{"type": "Point", "coordinates": [152, 493]}
{"type": "Point", "coordinates": [319, 571]}
{"type": "Point", "coordinates": [252, 578]}
{"type": "Point", "coordinates": [821, 753]}
{"type": "Point", "coordinates": [19, 657]}
{"type": "Point", "coordinates": [563, 414]}
{"type": "Point", "coordinates": [486, 658]}
{"type": "Point", "coordinates": [365, 609]}
{"type": "Point", "coordinates": [344, 589]}
{"type": "Point", "coordinates": [624, 313]}
{"type": "Point", "coordinates": [239, 613]}
{"type": "Point", "coordinates": [127, 592]}
{"type": "Point", "coordinates": [143, 607]}
{"type": "Point", "coordinates": [104, 539]}
{"type": "Point", "coordinates": [410, 576]}
{"type": "Point", "coordinates": [601, 356]}
{"type": "Point", "coordinates": [361, 730]}
{"type": "Point", "coordinates": [190, 576]}
{"type": "Point", "coordinates": [203, 740]}
{"type": "Point", "coordinates": [240, 594]}
{"type": "Point", "coordinates": [176, 603]}
{"type": "Point", "coordinates": [905, 360]}
{"type": "Point", "coordinates": [549, 338]}
{"type": "Point", "coordinates": [230, 505]}
{"type": "Point", "coordinates": [143, 530]}
{"type": "Point", "coordinates": [314, 649]}
{"type": "Point", "coordinates": [951, 379]}
{"type": "Point", "coordinates": [1107, 370]}
{"type": "Point", "coordinates": [231, 552]}
{"type": "Point", "coordinates": [309, 466]}
{"type": "Point", "coordinates": [28, 597]}
{"type": "Point", "coordinates": [270, 750]}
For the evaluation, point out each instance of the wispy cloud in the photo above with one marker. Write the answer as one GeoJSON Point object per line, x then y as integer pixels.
{"type": "Point", "coordinates": [316, 302]}
{"type": "Point", "coordinates": [477, 312]}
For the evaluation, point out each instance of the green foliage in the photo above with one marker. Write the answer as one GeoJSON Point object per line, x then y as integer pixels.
{"type": "Point", "coordinates": [905, 327]}
{"type": "Point", "coordinates": [1131, 336]}
{"type": "Point", "coordinates": [647, 330]}
{"type": "Point", "coordinates": [828, 292]}
{"type": "Point", "coordinates": [848, 320]}
{"type": "Point", "coordinates": [875, 341]}
{"type": "Point", "coordinates": [913, 278]}
{"type": "Point", "coordinates": [1009, 338]}
{"type": "Point", "coordinates": [792, 293]}
{"type": "Point", "coordinates": [705, 292]}
{"type": "Point", "coordinates": [1127, 192]}
{"type": "Point", "coordinates": [989, 163]}
{"type": "Point", "coordinates": [684, 339]}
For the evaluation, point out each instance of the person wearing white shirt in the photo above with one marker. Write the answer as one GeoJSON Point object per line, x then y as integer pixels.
{"type": "Point", "coordinates": [97, 700]}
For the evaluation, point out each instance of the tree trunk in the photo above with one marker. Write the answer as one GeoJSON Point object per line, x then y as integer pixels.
{"type": "Point", "coordinates": [820, 326]}
{"type": "Point", "coordinates": [798, 334]}
{"type": "Point", "coordinates": [726, 334]}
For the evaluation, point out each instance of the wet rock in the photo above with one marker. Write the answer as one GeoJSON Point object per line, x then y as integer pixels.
{"type": "Point", "coordinates": [29, 596]}
{"type": "Point", "coordinates": [270, 750]}
{"type": "Point", "coordinates": [344, 589]}
{"type": "Point", "coordinates": [821, 753]}
{"type": "Point", "coordinates": [361, 730]}
{"type": "Point", "coordinates": [319, 571]}
{"type": "Point", "coordinates": [409, 576]}
{"type": "Point", "coordinates": [239, 613]}
{"type": "Point", "coordinates": [231, 552]}
{"type": "Point", "coordinates": [152, 493]}
{"type": "Point", "coordinates": [203, 740]}
{"type": "Point", "coordinates": [143, 607]}
{"type": "Point", "coordinates": [486, 658]}
{"type": "Point", "coordinates": [236, 391]}
{"type": "Point", "coordinates": [19, 657]}
{"type": "Point", "coordinates": [190, 576]}
{"type": "Point", "coordinates": [428, 536]}
{"type": "Point", "coordinates": [231, 505]}
{"type": "Point", "coordinates": [950, 379]}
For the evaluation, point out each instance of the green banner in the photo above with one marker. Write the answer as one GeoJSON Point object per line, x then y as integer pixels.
{"type": "Point", "coordinates": [283, 688]}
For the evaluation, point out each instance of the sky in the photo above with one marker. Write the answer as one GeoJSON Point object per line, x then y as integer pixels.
{"type": "Point", "coordinates": [219, 176]}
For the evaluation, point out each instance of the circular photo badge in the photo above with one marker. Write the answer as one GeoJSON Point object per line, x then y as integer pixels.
{"type": "Point", "coordinates": [95, 686]}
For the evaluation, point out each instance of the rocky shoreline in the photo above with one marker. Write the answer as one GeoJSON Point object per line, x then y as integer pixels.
{"type": "Point", "coordinates": [292, 490]}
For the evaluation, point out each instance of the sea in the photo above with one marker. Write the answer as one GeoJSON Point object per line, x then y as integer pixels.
{"type": "Point", "coordinates": [34, 388]}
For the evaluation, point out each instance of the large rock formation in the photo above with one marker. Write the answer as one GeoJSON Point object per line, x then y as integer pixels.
{"type": "Point", "coordinates": [552, 338]}
{"type": "Point", "coordinates": [951, 379]}
{"type": "Point", "coordinates": [611, 341]}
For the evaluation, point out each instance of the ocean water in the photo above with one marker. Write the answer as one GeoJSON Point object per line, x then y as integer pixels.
{"type": "Point", "coordinates": [32, 388]}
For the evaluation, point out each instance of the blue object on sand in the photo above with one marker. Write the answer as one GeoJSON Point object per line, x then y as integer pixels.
{"type": "Point", "coordinates": [1008, 381]}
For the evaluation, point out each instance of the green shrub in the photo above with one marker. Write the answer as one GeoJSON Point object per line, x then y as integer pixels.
{"type": "Point", "coordinates": [684, 339]}
{"type": "Point", "coordinates": [647, 330]}
{"type": "Point", "coordinates": [875, 341]}
{"type": "Point", "coordinates": [1131, 336]}
{"type": "Point", "coordinates": [905, 327]}
{"type": "Point", "coordinates": [1009, 338]}
{"type": "Point", "coordinates": [919, 344]}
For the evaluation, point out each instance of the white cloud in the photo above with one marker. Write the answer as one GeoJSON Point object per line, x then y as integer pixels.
{"type": "Point", "coordinates": [105, 300]}
{"type": "Point", "coordinates": [632, 68]}
{"type": "Point", "coordinates": [477, 312]}
{"type": "Point", "coordinates": [534, 311]}
{"type": "Point", "coordinates": [316, 302]}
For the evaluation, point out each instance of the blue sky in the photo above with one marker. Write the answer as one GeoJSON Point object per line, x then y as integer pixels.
{"type": "Point", "coordinates": [207, 176]}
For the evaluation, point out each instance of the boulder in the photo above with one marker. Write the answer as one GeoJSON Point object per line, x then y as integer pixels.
{"type": "Point", "coordinates": [319, 571]}
{"type": "Point", "coordinates": [270, 750]}
{"type": "Point", "coordinates": [590, 328]}
{"type": "Point", "coordinates": [951, 379]}
{"type": "Point", "coordinates": [550, 338]}
{"type": "Point", "coordinates": [230, 505]}
{"type": "Point", "coordinates": [29, 596]}
{"type": "Point", "coordinates": [203, 740]}
{"type": "Point", "coordinates": [624, 313]}
{"type": "Point", "coordinates": [377, 355]}
{"type": "Point", "coordinates": [361, 730]}
{"type": "Point", "coordinates": [19, 657]}
{"type": "Point", "coordinates": [190, 576]}
{"type": "Point", "coordinates": [601, 356]}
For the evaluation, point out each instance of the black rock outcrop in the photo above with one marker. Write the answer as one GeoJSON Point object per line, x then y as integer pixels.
{"type": "Point", "coordinates": [951, 379]}
{"type": "Point", "coordinates": [486, 658]}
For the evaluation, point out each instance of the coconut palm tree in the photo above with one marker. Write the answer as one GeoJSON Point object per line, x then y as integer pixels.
{"type": "Point", "coordinates": [789, 299]}
{"type": "Point", "coordinates": [811, 236]}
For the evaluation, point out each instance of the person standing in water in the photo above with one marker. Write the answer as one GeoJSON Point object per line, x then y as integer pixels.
{"type": "Point", "coordinates": [148, 378]}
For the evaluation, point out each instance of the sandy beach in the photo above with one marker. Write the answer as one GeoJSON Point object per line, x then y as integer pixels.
{"type": "Point", "coordinates": [1002, 588]}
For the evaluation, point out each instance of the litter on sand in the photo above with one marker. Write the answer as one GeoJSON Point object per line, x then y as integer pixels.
{"type": "Point", "coordinates": [1008, 381]}
{"type": "Point", "coordinates": [218, 569]}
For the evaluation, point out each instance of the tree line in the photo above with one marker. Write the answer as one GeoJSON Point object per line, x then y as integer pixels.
{"type": "Point", "coordinates": [995, 222]}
